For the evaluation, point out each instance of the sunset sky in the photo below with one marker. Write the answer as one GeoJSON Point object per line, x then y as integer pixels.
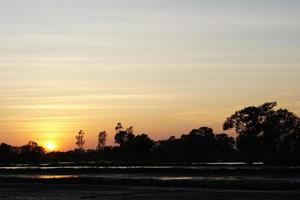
{"type": "Point", "coordinates": [162, 66]}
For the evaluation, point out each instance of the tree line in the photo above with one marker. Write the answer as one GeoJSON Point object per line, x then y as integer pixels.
{"type": "Point", "coordinates": [264, 134]}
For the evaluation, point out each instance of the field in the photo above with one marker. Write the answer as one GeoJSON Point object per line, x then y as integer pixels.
{"type": "Point", "coordinates": [149, 182]}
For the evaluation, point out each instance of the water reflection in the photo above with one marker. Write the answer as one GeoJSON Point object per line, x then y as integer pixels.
{"type": "Point", "coordinates": [209, 165]}
{"type": "Point", "coordinates": [72, 171]}
{"type": "Point", "coordinates": [157, 177]}
{"type": "Point", "coordinates": [55, 176]}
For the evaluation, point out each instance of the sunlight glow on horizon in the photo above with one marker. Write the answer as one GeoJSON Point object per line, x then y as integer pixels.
{"type": "Point", "coordinates": [50, 146]}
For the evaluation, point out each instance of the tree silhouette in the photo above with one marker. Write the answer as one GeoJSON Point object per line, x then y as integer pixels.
{"type": "Point", "coordinates": [266, 134]}
{"type": "Point", "coordinates": [119, 127]}
{"type": "Point", "coordinates": [129, 130]}
{"type": "Point", "coordinates": [80, 140]}
{"type": "Point", "coordinates": [6, 153]}
{"type": "Point", "coordinates": [199, 144]}
{"type": "Point", "coordinates": [31, 152]}
{"type": "Point", "coordinates": [101, 140]}
{"type": "Point", "coordinates": [263, 134]}
{"type": "Point", "coordinates": [248, 124]}
{"type": "Point", "coordinates": [281, 136]}
{"type": "Point", "coordinates": [121, 136]}
{"type": "Point", "coordinates": [139, 146]}
{"type": "Point", "coordinates": [169, 149]}
{"type": "Point", "coordinates": [225, 147]}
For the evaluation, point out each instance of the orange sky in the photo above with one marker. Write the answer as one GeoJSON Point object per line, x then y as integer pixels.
{"type": "Point", "coordinates": [164, 67]}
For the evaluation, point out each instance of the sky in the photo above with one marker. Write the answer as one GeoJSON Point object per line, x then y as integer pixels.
{"type": "Point", "coordinates": [162, 66]}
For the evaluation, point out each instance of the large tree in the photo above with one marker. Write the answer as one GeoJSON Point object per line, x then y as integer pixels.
{"type": "Point", "coordinates": [281, 136]}
{"type": "Point", "coordinates": [265, 133]}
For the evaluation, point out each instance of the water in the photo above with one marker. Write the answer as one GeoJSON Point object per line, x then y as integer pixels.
{"type": "Point", "coordinates": [170, 181]}
{"type": "Point", "coordinates": [149, 177]}
{"type": "Point", "coordinates": [196, 172]}
{"type": "Point", "coordinates": [64, 165]}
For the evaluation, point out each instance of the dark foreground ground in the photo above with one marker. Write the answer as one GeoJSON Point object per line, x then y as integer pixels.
{"type": "Point", "coordinates": [116, 192]}
{"type": "Point", "coordinates": [155, 182]}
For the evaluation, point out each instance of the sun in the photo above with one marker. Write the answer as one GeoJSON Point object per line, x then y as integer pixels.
{"type": "Point", "coordinates": [50, 146]}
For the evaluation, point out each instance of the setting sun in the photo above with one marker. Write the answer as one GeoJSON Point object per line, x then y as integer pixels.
{"type": "Point", "coordinates": [50, 146]}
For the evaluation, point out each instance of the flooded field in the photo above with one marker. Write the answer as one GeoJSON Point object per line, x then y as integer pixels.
{"type": "Point", "coordinates": [198, 180]}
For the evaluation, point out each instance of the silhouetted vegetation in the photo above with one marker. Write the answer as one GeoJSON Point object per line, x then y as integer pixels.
{"type": "Point", "coordinates": [263, 134]}
{"type": "Point", "coordinates": [101, 140]}
{"type": "Point", "coordinates": [29, 153]}
{"type": "Point", "coordinates": [80, 140]}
